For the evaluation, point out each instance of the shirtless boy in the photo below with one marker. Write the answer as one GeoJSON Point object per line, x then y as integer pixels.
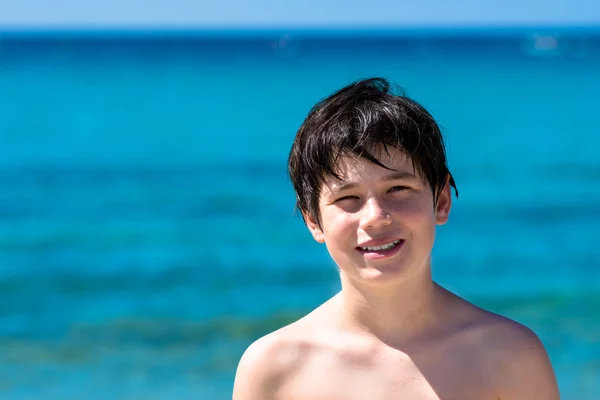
{"type": "Point", "coordinates": [370, 173]}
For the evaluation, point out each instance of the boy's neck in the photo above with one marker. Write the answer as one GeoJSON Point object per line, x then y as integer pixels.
{"type": "Point", "coordinates": [396, 315]}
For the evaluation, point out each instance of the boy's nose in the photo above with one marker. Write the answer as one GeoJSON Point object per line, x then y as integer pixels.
{"type": "Point", "coordinates": [374, 215]}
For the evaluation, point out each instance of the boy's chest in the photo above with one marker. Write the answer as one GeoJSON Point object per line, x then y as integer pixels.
{"type": "Point", "coordinates": [393, 379]}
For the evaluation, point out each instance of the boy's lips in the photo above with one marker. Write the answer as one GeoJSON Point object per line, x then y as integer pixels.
{"type": "Point", "coordinates": [381, 248]}
{"type": "Point", "coordinates": [378, 242]}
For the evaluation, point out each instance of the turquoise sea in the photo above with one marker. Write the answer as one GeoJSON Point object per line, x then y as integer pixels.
{"type": "Point", "coordinates": [147, 232]}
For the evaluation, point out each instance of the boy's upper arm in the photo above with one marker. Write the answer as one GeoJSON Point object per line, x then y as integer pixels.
{"type": "Point", "coordinates": [260, 370]}
{"type": "Point", "coordinates": [528, 373]}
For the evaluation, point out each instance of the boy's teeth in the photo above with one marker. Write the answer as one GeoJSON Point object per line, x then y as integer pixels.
{"type": "Point", "coordinates": [382, 247]}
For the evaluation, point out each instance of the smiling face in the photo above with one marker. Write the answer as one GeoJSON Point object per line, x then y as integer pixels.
{"type": "Point", "coordinates": [379, 224]}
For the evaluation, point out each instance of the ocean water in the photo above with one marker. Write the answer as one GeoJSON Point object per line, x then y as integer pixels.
{"type": "Point", "coordinates": [147, 232]}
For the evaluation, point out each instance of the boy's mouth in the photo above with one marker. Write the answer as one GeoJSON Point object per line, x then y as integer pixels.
{"type": "Point", "coordinates": [376, 251]}
{"type": "Point", "coordinates": [383, 247]}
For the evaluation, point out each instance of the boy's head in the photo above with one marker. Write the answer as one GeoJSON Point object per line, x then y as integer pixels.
{"type": "Point", "coordinates": [355, 121]}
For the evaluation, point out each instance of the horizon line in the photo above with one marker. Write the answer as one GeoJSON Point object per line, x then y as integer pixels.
{"type": "Point", "coordinates": [307, 31]}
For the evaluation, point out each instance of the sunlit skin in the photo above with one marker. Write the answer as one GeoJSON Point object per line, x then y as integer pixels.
{"type": "Point", "coordinates": [391, 332]}
{"type": "Point", "coordinates": [372, 205]}
{"type": "Point", "coordinates": [375, 206]}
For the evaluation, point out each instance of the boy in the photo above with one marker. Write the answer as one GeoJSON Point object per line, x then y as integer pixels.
{"type": "Point", "coordinates": [369, 169]}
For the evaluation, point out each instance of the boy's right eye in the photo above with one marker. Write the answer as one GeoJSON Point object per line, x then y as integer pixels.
{"type": "Point", "coordinates": [347, 198]}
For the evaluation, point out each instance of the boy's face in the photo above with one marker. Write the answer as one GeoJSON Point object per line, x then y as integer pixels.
{"type": "Point", "coordinates": [379, 224]}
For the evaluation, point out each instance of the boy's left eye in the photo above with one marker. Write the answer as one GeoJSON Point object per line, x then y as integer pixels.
{"type": "Point", "coordinates": [398, 188]}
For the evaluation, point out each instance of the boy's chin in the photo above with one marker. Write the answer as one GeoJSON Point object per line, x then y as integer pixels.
{"type": "Point", "coordinates": [393, 274]}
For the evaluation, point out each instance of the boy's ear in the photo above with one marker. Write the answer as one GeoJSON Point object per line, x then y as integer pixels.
{"type": "Point", "coordinates": [443, 205]}
{"type": "Point", "coordinates": [314, 228]}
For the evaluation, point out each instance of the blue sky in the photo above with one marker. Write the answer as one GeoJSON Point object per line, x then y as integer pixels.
{"type": "Point", "coordinates": [297, 13]}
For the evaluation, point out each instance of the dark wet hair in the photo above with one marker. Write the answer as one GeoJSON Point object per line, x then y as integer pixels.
{"type": "Point", "coordinates": [355, 120]}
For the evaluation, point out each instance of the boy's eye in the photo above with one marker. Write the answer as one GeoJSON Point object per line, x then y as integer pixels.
{"type": "Point", "coordinates": [346, 198]}
{"type": "Point", "coordinates": [398, 188]}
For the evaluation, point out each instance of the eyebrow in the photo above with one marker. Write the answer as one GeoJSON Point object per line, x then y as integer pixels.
{"type": "Point", "coordinates": [335, 188]}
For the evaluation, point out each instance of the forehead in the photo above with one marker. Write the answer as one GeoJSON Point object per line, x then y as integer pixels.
{"type": "Point", "coordinates": [356, 171]}
{"type": "Point", "coordinates": [351, 167]}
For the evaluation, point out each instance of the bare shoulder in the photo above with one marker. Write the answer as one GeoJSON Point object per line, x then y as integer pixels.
{"type": "Point", "coordinates": [272, 361]}
{"type": "Point", "coordinates": [265, 365]}
{"type": "Point", "coordinates": [521, 363]}
{"type": "Point", "coordinates": [513, 356]}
